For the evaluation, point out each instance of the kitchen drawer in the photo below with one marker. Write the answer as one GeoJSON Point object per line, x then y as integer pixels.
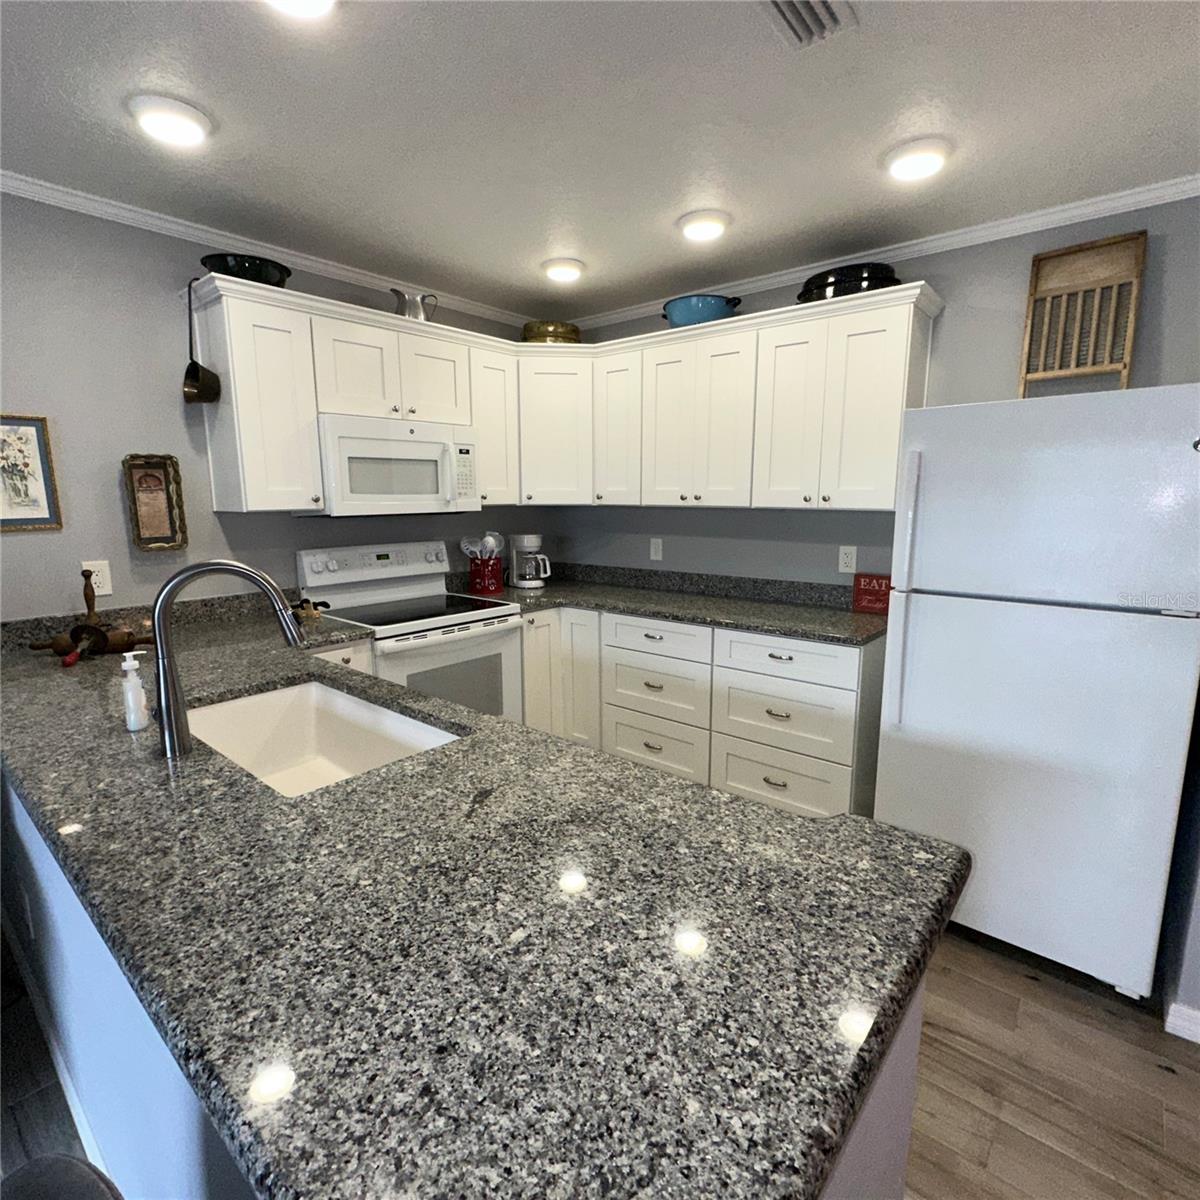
{"type": "Point", "coordinates": [668, 745]}
{"type": "Point", "coordinates": [665, 687]}
{"type": "Point", "coordinates": [788, 658]}
{"type": "Point", "coordinates": [671, 638]}
{"type": "Point", "coordinates": [805, 718]}
{"type": "Point", "coordinates": [358, 656]}
{"type": "Point", "coordinates": [796, 782]}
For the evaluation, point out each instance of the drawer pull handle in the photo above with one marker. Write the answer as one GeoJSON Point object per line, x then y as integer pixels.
{"type": "Point", "coordinates": [653, 746]}
{"type": "Point", "coordinates": [654, 687]}
{"type": "Point", "coordinates": [653, 637]}
{"type": "Point", "coordinates": [775, 783]}
{"type": "Point", "coordinates": [779, 716]}
{"type": "Point", "coordinates": [780, 657]}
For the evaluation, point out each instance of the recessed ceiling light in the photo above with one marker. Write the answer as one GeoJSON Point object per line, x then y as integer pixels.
{"type": "Point", "coordinates": [918, 160]}
{"type": "Point", "coordinates": [170, 121]}
{"type": "Point", "coordinates": [704, 226]}
{"type": "Point", "coordinates": [302, 10]}
{"type": "Point", "coordinates": [563, 270]}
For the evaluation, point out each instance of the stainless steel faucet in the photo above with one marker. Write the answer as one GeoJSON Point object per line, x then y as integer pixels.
{"type": "Point", "coordinates": [172, 712]}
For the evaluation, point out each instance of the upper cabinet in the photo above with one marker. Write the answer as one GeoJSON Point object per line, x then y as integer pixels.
{"type": "Point", "coordinates": [434, 379]}
{"type": "Point", "coordinates": [495, 429]}
{"type": "Point", "coordinates": [262, 433]}
{"type": "Point", "coordinates": [830, 400]}
{"type": "Point", "coordinates": [556, 429]}
{"type": "Point", "coordinates": [698, 421]}
{"type": "Point", "coordinates": [617, 428]}
{"type": "Point", "coordinates": [357, 368]}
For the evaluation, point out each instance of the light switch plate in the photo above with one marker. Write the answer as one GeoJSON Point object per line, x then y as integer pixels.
{"type": "Point", "coordinates": [101, 579]}
{"type": "Point", "coordinates": [656, 549]}
{"type": "Point", "coordinates": [847, 559]}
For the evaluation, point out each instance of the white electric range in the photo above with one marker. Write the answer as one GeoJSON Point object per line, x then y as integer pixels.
{"type": "Point", "coordinates": [458, 647]}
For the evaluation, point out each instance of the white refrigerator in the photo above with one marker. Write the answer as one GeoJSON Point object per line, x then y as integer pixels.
{"type": "Point", "coordinates": [1043, 656]}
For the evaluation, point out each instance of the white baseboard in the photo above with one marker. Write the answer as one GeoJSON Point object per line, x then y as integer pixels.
{"type": "Point", "coordinates": [90, 1146]}
{"type": "Point", "coordinates": [1183, 1021]}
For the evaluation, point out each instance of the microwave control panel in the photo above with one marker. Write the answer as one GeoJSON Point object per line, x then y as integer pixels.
{"type": "Point", "coordinates": [464, 472]}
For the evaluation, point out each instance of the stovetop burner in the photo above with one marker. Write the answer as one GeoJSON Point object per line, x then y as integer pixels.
{"type": "Point", "coordinates": [418, 608]}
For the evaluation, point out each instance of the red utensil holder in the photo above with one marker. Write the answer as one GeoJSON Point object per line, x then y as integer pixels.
{"type": "Point", "coordinates": [486, 577]}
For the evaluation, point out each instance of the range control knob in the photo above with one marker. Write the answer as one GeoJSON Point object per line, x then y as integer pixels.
{"type": "Point", "coordinates": [429, 556]}
{"type": "Point", "coordinates": [440, 556]}
{"type": "Point", "coordinates": [331, 564]}
{"type": "Point", "coordinates": [317, 567]}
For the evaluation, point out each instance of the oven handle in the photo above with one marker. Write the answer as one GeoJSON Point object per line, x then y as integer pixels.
{"type": "Point", "coordinates": [399, 645]}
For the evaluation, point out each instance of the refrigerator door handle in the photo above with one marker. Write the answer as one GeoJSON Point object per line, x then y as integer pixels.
{"type": "Point", "coordinates": [906, 510]}
{"type": "Point", "coordinates": [893, 690]}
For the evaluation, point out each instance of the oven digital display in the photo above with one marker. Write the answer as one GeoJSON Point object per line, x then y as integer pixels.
{"type": "Point", "coordinates": [382, 557]}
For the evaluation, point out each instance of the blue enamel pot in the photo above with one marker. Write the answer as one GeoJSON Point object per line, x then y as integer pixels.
{"type": "Point", "coordinates": [695, 310]}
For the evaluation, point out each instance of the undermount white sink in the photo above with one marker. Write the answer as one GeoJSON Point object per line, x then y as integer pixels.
{"type": "Point", "coordinates": [301, 738]}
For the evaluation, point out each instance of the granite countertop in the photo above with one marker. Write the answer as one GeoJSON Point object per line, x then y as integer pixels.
{"type": "Point", "coordinates": [810, 621]}
{"type": "Point", "coordinates": [459, 1025]}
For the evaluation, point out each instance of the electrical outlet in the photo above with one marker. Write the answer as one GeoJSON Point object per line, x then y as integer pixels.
{"type": "Point", "coordinates": [101, 580]}
{"type": "Point", "coordinates": [656, 549]}
{"type": "Point", "coordinates": [847, 559]}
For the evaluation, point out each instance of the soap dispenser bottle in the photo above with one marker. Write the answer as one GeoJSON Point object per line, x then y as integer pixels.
{"type": "Point", "coordinates": [137, 711]}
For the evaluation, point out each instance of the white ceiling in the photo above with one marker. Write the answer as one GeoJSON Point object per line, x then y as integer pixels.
{"type": "Point", "coordinates": [460, 144]}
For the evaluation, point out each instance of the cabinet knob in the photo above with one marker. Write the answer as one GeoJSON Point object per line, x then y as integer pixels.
{"type": "Point", "coordinates": [683, 495]}
{"type": "Point", "coordinates": [483, 495]}
{"type": "Point", "coordinates": [316, 499]}
{"type": "Point", "coordinates": [346, 659]}
{"type": "Point", "coordinates": [529, 619]}
{"type": "Point", "coordinates": [807, 499]}
{"type": "Point", "coordinates": [395, 408]}
{"type": "Point", "coordinates": [697, 496]}
{"type": "Point", "coordinates": [599, 496]}
{"type": "Point", "coordinates": [528, 495]}
{"type": "Point", "coordinates": [825, 499]}
{"type": "Point", "coordinates": [412, 411]}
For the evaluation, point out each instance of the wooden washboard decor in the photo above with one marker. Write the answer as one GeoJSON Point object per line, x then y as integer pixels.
{"type": "Point", "coordinates": [1083, 303]}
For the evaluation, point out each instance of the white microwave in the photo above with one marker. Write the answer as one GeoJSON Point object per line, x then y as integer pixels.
{"type": "Point", "coordinates": [378, 466]}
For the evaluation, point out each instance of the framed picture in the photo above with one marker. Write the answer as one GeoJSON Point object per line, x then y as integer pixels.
{"type": "Point", "coordinates": [28, 493]}
{"type": "Point", "coordinates": [154, 491]}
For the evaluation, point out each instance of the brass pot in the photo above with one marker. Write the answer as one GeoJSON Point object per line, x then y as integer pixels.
{"type": "Point", "coordinates": [562, 332]}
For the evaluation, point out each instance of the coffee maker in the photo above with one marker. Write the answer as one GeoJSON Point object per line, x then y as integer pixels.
{"type": "Point", "coordinates": [528, 567]}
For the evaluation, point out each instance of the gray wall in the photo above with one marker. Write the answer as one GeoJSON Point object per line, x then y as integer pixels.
{"type": "Point", "coordinates": [95, 339]}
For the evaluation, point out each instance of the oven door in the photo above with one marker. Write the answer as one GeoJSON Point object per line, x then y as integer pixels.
{"type": "Point", "coordinates": [378, 466]}
{"type": "Point", "coordinates": [478, 666]}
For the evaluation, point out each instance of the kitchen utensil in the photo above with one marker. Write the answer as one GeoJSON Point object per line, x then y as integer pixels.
{"type": "Point", "coordinates": [486, 576]}
{"type": "Point", "coordinates": [561, 332]}
{"type": "Point", "coordinates": [492, 545]}
{"type": "Point", "coordinates": [470, 547]}
{"type": "Point", "coordinates": [247, 266]}
{"type": "Point", "coordinates": [200, 385]}
{"type": "Point", "coordinates": [696, 309]}
{"type": "Point", "coordinates": [845, 281]}
{"type": "Point", "coordinates": [415, 306]}
{"type": "Point", "coordinates": [529, 567]}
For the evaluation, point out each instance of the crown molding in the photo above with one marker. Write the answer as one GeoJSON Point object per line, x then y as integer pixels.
{"type": "Point", "coordinates": [218, 239]}
{"type": "Point", "coordinates": [1183, 188]}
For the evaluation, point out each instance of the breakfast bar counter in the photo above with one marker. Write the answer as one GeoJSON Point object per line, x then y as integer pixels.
{"type": "Point", "coordinates": [508, 966]}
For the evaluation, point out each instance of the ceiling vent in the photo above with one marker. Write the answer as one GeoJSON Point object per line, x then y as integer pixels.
{"type": "Point", "coordinates": [808, 21]}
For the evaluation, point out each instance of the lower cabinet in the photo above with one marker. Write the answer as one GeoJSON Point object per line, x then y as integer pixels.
{"type": "Point", "coordinates": [358, 656]}
{"type": "Point", "coordinates": [560, 651]}
{"type": "Point", "coordinates": [657, 742]}
{"type": "Point", "coordinates": [797, 782]}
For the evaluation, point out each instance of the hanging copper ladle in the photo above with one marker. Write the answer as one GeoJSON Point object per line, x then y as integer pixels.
{"type": "Point", "coordinates": [200, 385]}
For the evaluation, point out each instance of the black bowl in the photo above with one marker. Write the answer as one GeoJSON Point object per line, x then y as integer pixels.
{"type": "Point", "coordinates": [246, 266]}
{"type": "Point", "coordinates": [845, 281]}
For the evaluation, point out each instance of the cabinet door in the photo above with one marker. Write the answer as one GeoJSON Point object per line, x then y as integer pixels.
{"type": "Point", "coordinates": [271, 459]}
{"type": "Point", "coordinates": [494, 431]}
{"type": "Point", "coordinates": [539, 671]}
{"type": "Point", "coordinates": [617, 427]}
{"type": "Point", "coordinates": [788, 400]}
{"type": "Point", "coordinates": [724, 415]}
{"type": "Point", "coordinates": [357, 368]}
{"type": "Point", "coordinates": [579, 651]}
{"type": "Point", "coordinates": [434, 380]}
{"type": "Point", "coordinates": [556, 430]}
{"type": "Point", "coordinates": [358, 656]}
{"type": "Point", "coordinates": [864, 404]}
{"type": "Point", "coordinates": [668, 420]}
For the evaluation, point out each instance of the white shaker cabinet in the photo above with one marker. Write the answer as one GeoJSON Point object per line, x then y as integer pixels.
{"type": "Point", "coordinates": [698, 421]}
{"type": "Point", "coordinates": [495, 428]}
{"type": "Point", "coordinates": [556, 429]}
{"type": "Point", "coordinates": [617, 428]}
{"type": "Point", "coordinates": [723, 428]}
{"type": "Point", "coordinates": [539, 668]}
{"type": "Point", "coordinates": [434, 379]}
{"type": "Point", "coordinates": [262, 434]}
{"type": "Point", "coordinates": [789, 402]}
{"type": "Point", "coordinates": [579, 676]}
{"type": "Point", "coordinates": [357, 368]}
{"type": "Point", "coordinates": [867, 386]}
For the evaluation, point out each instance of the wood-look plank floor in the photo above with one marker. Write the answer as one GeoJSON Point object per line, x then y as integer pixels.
{"type": "Point", "coordinates": [1035, 1087]}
